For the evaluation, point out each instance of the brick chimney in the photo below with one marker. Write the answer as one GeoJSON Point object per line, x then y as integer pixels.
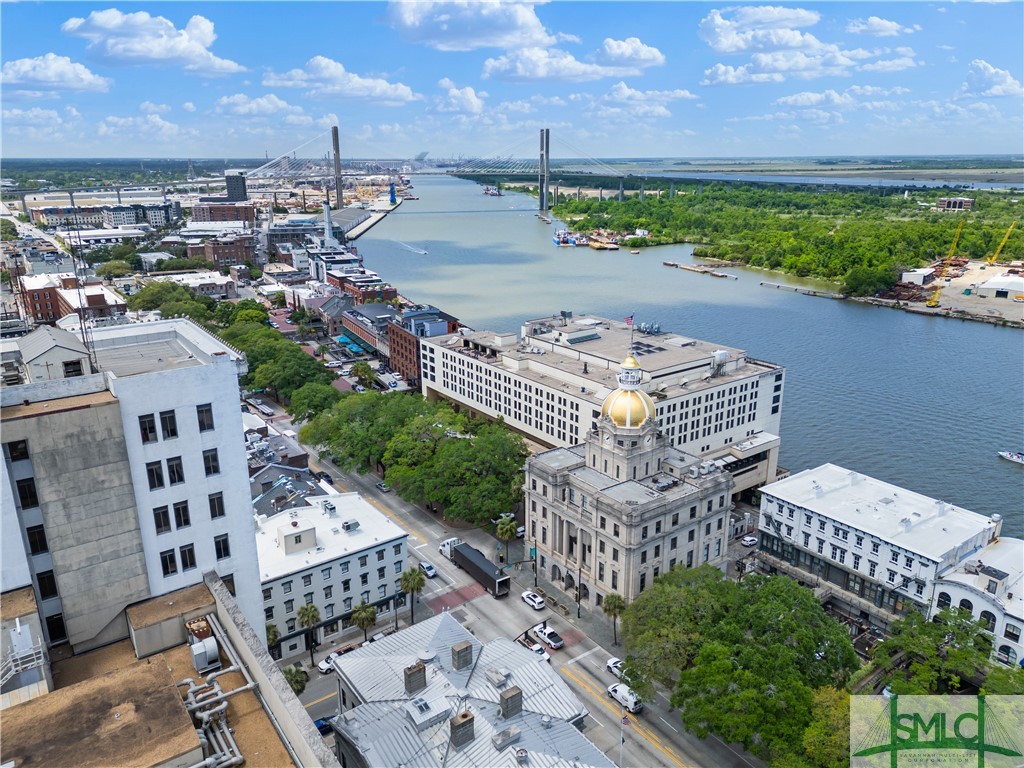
{"type": "Point", "coordinates": [462, 729]}
{"type": "Point", "coordinates": [415, 677]}
{"type": "Point", "coordinates": [511, 702]}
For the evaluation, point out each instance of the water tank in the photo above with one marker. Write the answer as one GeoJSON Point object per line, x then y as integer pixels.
{"type": "Point", "coordinates": [720, 356]}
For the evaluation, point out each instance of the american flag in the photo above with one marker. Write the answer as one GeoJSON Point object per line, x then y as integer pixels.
{"type": "Point", "coordinates": [629, 320]}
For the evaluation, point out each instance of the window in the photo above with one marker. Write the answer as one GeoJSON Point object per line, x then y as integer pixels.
{"type": "Point", "coordinates": [871, 568]}
{"type": "Point", "coordinates": [675, 519]}
{"type": "Point", "coordinates": [205, 415]}
{"type": "Point", "coordinates": [382, 590]}
{"type": "Point", "coordinates": [892, 577]}
{"type": "Point", "coordinates": [346, 585]}
{"type": "Point", "coordinates": [856, 561]}
{"type": "Point", "coordinates": [289, 606]}
{"type": "Point", "coordinates": [603, 522]}
{"type": "Point", "coordinates": [268, 613]}
{"type": "Point", "coordinates": [874, 547]}
{"type": "Point", "coordinates": [168, 562]}
{"type": "Point", "coordinates": [398, 566]}
{"type": "Point", "coordinates": [37, 540]}
{"type": "Point", "coordinates": [364, 579]}
{"type": "Point", "coordinates": [365, 596]}
{"type": "Point", "coordinates": [307, 579]}
{"type": "Point", "coordinates": [967, 605]}
{"type": "Point", "coordinates": [615, 579]}
{"type": "Point", "coordinates": [859, 541]}
{"type": "Point", "coordinates": [362, 561]}
{"type": "Point", "coordinates": [894, 557]}
{"type": "Point", "coordinates": [216, 505]}
{"type": "Point", "coordinates": [290, 627]}
{"type": "Point", "coordinates": [268, 593]}
{"type": "Point", "coordinates": [156, 475]}
{"type": "Point", "coordinates": [162, 520]}
{"type": "Point", "coordinates": [643, 557]}
{"type": "Point", "coordinates": [380, 573]}
{"type": "Point", "coordinates": [328, 592]}
{"type": "Point", "coordinates": [168, 424]}
{"type": "Point", "coordinates": [1012, 632]}
{"type": "Point", "coordinates": [286, 587]}
{"type": "Point", "coordinates": [181, 516]}
{"type": "Point", "coordinates": [380, 555]}
{"type": "Point", "coordinates": [330, 629]}
{"type": "Point", "coordinates": [908, 562]}
{"type": "Point", "coordinates": [643, 532]}
{"type": "Point", "coordinates": [17, 450]}
{"type": "Point", "coordinates": [147, 426]}
{"type": "Point", "coordinates": [72, 368]}
{"type": "Point", "coordinates": [397, 549]}
{"type": "Point", "coordinates": [210, 462]}
{"type": "Point", "coordinates": [615, 530]}
{"type": "Point", "coordinates": [944, 600]}
{"type": "Point", "coordinates": [344, 567]}
{"type": "Point", "coordinates": [55, 628]}
{"type": "Point", "coordinates": [222, 547]}
{"type": "Point", "coordinates": [821, 525]}
{"type": "Point", "coordinates": [600, 571]}
{"type": "Point", "coordinates": [27, 493]}
{"type": "Point", "coordinates": [325, 573]}
{"type": "Point", "coordinates": [175, 471]}
{"type": "Point", "coordinates": [188, 557]}
{"type": "Point", "coordinates": [47, 585]}
{"type": "Point", "coordinates": [657, 550]}
{"type": "Point", "coordinates": [615, 555]}
{"type": "Point", "coordinates": [308, 597]}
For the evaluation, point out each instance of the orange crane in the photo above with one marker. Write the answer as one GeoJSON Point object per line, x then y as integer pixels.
{"type": "Point", "coordinates": [933, 301]}
{"type": "Point", "coordinates": [992, 259]}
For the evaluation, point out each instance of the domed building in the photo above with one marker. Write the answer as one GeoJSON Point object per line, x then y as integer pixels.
{"type": "Point", "coordinates": [613, 513]}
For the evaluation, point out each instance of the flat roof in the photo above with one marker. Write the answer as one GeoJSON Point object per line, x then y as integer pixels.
{"type": "Point", "coordinates": [158, 609]}
{"type": "Point", "coordinates": [58, 405]}
{"type": "Point", "coordinates": [17, 602]}
{"type": "Point", "coordinates": [910, 520]}
{"type": "Point", "coordinates": [131, 716]}
{"type": "Point", "coordinates": [331, 541]}
{"type": "Point", "coordinates": [132, 360]}
{"type": "Point", "coordinates": [78, 297]}
{"type": "Point", "coordinates": [1003, 561]}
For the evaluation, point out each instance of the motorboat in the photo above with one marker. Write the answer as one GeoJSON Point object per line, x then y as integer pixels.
{"type": "Point", "coordinates": [1012, 456]}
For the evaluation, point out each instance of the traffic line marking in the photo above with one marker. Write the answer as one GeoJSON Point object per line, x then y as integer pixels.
{"type": "Point", "coordinates": [322, 699]}
{"type": "Point", "coordinates": [666, 722]}
{"type": "Point", "coordinates": [582, 655]}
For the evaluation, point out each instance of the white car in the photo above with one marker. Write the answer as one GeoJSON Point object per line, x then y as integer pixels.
{"type": "Point", "coordinates": [538, 649]}
{"type": "Point", "coordinates": [614, 665]}
{"type": "Point", "coordinates": [749, 541]}
{"type": "Point", "coordinates": [336, 364]}
{"type": "Point", "coordinates": [551, 638]}
{"type": "Point", "coordinates": [533, 600]}
{"type": "Point", "coordinates": [327, 665]}
{"type": "Point", "coordinates": [520, 532]}
{"type": "Point", "coordinates": [623, 694]}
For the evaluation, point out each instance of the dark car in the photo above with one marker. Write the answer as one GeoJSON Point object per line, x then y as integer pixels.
{"type": "Point", "coordinates": [323, 725]}
{"type": "Point", "coordinates": [324, 476]}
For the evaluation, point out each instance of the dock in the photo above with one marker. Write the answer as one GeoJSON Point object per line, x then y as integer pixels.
{"type": "Point", "coordinates": [804, 291]}
{"type": "Point", "coordinates": [700, 270]}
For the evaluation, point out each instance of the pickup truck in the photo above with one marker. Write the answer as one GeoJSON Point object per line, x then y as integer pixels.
{"type": "Point", "coordinates": [551, 638]}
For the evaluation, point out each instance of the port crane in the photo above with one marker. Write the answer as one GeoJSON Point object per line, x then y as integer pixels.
{"type": "Point", "coordinates": [933, 300]}
{"type": "Point", "coordinates": [992, 259]}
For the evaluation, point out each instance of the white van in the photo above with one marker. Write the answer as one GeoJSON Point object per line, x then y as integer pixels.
{"type": "Point", "coordinates": [623, 694]}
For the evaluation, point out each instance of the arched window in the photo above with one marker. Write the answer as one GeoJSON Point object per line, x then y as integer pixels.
{"type": "Point", "coordinates": [944, 600]}
{"type": "Point", "coordinates": [967, 605]}
{"type": "Point", "coordinates": [988, 620]}
{"type": "Point", "coordinates": [1007, 655]}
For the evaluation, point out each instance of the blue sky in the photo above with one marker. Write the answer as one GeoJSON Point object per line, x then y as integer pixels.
{"type": "Point", "coordinates": [478, 79]}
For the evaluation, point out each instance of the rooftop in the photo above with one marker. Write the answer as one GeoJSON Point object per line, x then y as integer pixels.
{"type": "Point", "coordinates": [331, 541]}
{"type": "Point", "coordinates": [17, 602]}
{"type": "Point", "coordinates": [1001, 561]}
{"type": "Point", "coordinates": [130, 350]}
{"type": "Point", "coordinates": [910, 520]}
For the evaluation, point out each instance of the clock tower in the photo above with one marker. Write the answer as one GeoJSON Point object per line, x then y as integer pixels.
{"type": "Point", "coordinates": [626, 445]}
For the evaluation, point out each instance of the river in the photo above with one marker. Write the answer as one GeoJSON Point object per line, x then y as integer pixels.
{"type": "Point", "coordinates": [921, 402]}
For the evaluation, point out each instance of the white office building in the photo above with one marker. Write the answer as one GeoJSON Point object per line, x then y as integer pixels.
{"type": "Point", "coordinates": [334, 552]}
{"type": "Point", "coordinates": [875, 550]}
{"type": "Point", "coordinates": [124, 473]}
{"type": "Point", "coordinates": [550, 381]}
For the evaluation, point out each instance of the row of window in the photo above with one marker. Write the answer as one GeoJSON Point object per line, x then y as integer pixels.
{"type": "Point", "coordinates": [182, 517]}
{"type": "Point", "coordinates": [176, 470]}
{"type": "Point", "coordinates": [169, 423]}
{"type": "Point", "coordinates": [169, 557]}
{"type": "Point", "coordinates": [289, 605]}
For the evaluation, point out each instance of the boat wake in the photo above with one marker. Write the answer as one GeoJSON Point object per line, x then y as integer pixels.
{"type": "Point", "coordinates": [408, 247]}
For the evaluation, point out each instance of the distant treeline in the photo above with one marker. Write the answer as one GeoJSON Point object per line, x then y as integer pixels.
{"type": "Point", "coordinates": [860, 238]}
{"type": "Point", "coordinates": [70, 172]}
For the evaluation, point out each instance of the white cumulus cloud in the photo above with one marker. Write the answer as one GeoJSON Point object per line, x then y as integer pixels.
{"type": "Point", "coordinates": [150, 126]}
{"type": "Point", "coordinates": [873, 25]}
{"type": "Point", "coordinates": [890, 65]}
{"type": "Point", "coordinates": [552, 64]}
{"type": "Point", "coordinates": [629, 53]}
{"type": "Point", "coordinates": [138, 38]}
{"type": "Point", "coordinates": [467, 25]}
{"type": "Point", "coordinates": [325, 77]}
{"type": "Point", "coordinates": [52, 71]}
{"type": "Point", "coordinates": [985, 80]}
{"type": "Point", "coordinates": [188, 106]}
{"type": "Point", "coordinates": [461, 100]}
{"type": "Point", "coordinates": [240, 104]}
{"type": "Point", "coordinates": [154, 109]}
{"type": "Point", "coordinates": [758, 27]}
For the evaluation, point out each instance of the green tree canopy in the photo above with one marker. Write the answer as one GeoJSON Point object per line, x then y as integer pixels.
{"type": "Point", "coordinates": [413, 581]}
{"type": "Point", "coordinates": [613, 605]}
{"type": "Point", "coordinates": [311, 399]}
{"type": "Point", "coordinates": [364, 616]}
{"type": "Point", "coordinates": [826, 739]}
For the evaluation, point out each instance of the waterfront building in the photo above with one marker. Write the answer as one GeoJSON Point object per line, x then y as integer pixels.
{"type": "Point", "coordinates": [419, 321]}
{"type": "Point", "coordinates": [124, 474]}
{"type": "Point", "coordinates": [611, 514]}
{"type": "Point", "coordinates": [875, 551]}
{"type": "Point", "coordinates": [435, 689]}
{"type": "Point", "coordinates": [362, 284]}
{"type": "Point", "coordinates": [332, 551]}
{"type": "Point", "coordinates": [139, 702]}
{"type": "Point", "coordinates": [549, 383]}
{"type": "Point", "coordinates": [226, 250]}
{"type": "Point", "coordinates": [367, 325]}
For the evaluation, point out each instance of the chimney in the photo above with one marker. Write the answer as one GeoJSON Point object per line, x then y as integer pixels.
{"type": "Point", "coordinates": [462, 729]}
{"type": "Point", "coordinates": [462, 654]}
{"type": "Point", "coordinates": [415, 677]}
{"type": "Point", "coordinates": [511, 702]}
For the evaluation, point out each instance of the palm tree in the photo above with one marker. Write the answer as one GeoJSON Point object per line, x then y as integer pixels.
{"type": "Point", "coordinates": [364, 616]}
{"type": "Point", "coordinates": [309, 617]}
{"type": "Point", "coordinates": [296, 679]}
{"type": "Point", "coordinates": [613, 605]}
{"type": "Point", "coordinates": [363, 373]}
{"type": "Point", "coordinates": [506, 531]}
{"type": "Point", "coordinates": [273, 635]}
{"type": "Point", "coordinates": [413, 581]}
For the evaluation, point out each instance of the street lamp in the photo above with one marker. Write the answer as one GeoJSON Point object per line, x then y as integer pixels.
{"type": "Point", "coordinates": [579, 589]}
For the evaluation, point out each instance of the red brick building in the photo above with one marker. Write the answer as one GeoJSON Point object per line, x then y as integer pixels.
{"type": "Point", "coordinates": [226, 250]}
{"type": "Point", "coordinates": [225, 212]}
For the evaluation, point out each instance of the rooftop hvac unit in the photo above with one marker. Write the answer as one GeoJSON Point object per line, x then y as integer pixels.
{"type": "Point", "coordinates": [329, 507]}
{"type": "Point", "coordinates": [350, 525]}
{"type": "Point", "coordinates": [694, 471]}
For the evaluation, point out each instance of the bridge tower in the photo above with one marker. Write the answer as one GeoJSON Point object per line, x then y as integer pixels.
{"type": "Point", "coordinates": [545, 169]}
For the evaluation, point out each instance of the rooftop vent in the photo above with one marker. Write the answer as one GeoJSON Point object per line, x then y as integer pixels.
{"type": "Point", "coordinates": [497, 677]}
{"type": "Point", "coordinates": [350, 525]}
{"type": "Point", "coordinates": [462, 729]}
{"type": "Point", "coordinates": [505, 738]}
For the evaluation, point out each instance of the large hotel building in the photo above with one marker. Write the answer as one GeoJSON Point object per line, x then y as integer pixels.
{"type": "Point", "coordinates": [549, 383]}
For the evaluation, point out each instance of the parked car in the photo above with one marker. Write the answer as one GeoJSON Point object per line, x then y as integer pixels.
{"type": "Point", "coordinates": [428, 570]}
{"type": "Point", "coordinates": [345, 371]}
{"type": "Point", "coordinates": [327, 666]}
{"type": "Point", "coordinates": [359, 388]}
{"type": "Point", "coordinates": [393, 384]}
{"type": "Point", "coordinates": [533, 600]}
{"type": "Point", "coordinates": [520, 532]}
{"type": "Point", "coordinates": [383, 487]}
{"type": "Point", "coordinates": [323, 725]}
{"type": "Point", "coordinates": [502, 516]}
{"type": "Point", "coordinates": [614, 666]}
{"type": "Point", "coordinates": [324, 476]}
{"type": "Point", "coordinates": [538, 649]}
{"type": "Point", "coordinates": [749, 541]}
{"type": "Point", "coordinates": [336, 364]}
{"type": "Point", "coordinates": [625, 695]}
{"type": "Point", "coordinates": [551, 638]}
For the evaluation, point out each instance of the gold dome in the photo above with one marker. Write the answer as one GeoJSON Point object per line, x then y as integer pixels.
{"type": "Point", "coordinates": [630, 362]}
{"type": "Point", "coordinates": [628, 407]}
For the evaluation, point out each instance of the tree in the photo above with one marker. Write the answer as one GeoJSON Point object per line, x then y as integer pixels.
{"type": "Point", "coordinates": [279, 300]}
{"type": "Point", "coordinates": [311, 399]}
{"type": "Point", "coordinates": [309, 617]}
{"type": "Point", "coordinates": [364, 374]}
{"type": "Point", "coordinates": [321, 350]}
{"type": "Point", "coordinates": [296, 679]}
{"type": "Point", "coordinates": [1004, 681]}
{"type": "Point", "coordinates": [273, 634]}
{"type": "Point", "coordinates": [250, 316]}
{"type": "Point", "coordinates": [826, 739]}
{"type": "Point", "coordinates": [506, 531]}
{"type": "Point", "coordinates": [364, 616]}
{"type": "Point", "coordinates": [114, 269]}
{"type": "Point", "coordinates": [613, 605]}
{"type": "Point", "coordinates": [413, 581]}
